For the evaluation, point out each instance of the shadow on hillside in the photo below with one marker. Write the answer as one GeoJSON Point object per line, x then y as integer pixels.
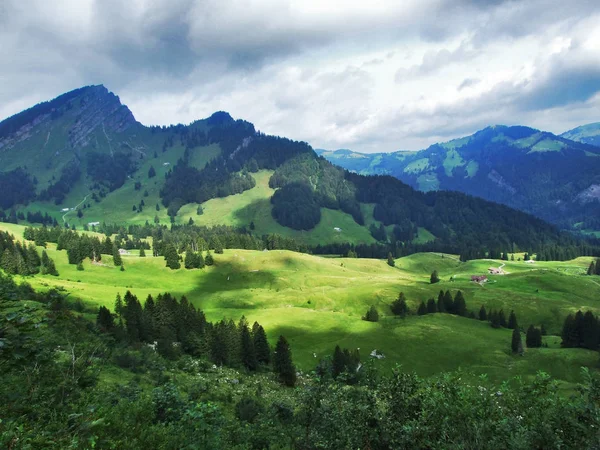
{"type": "Point", "coordinates": [229, 276]}
{"type": "Point", "coordinates": [253, 212]}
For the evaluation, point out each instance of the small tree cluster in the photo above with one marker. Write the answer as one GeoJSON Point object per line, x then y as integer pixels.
{"type": "Point", "coordinates": [344, 361]}
{"type": "Point", "coordinates": [372, 315]}
{"type": "Point", "coordinates": [581, 330]}
{"type": "Point", "coordinates": [533, 338]}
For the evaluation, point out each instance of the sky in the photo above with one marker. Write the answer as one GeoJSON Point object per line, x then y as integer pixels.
{"type": "Point", "coordinates": [371, 76]}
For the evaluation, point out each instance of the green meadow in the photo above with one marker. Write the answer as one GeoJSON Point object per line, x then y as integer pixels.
{"type": "Point", "coordinates": [318, 303]}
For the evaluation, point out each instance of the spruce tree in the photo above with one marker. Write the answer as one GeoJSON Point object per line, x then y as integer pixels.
{"type": "Point", "coordinates": [261, 345]}
{"type": "Point", "coordinates": [482, 313]}
{"type": "Point", "coordinates": [435, 278]}
{"type": "Point", "coordinates": [104, 319]}
{"type": "Point", "coordinates": [390, 260]}
{"type": "Point", "coordinates": [431, 306]}
{"type": "Point", "coordinates": [512, 321]}
{"type": "Point", "coordinates": [372, 315]}
{"type": "Point", "coordinates": [460, 306]}
{"type": "Point", "coordinates": [449, 303]}
{"type": "Point", "coordinates": [592, 269]}
{"type": "Point", "coordinates": [399, 306]}
{"type": "Point", "coordinates": [338, 363]}
{"type": "Point", "coordinates": [116, 256]}
{"type": "Point", "coordinates": [282, 362]}
{"type": "Point", "coordinates": [569, 332]}
{"type": "Point", "coordinates": [142, 252]}
{"type": "Point", "coordinates": [502, 319]}
{"type": "Point", "coordinates": [209, 261]}
{"type": "Point", "coordinates": [598, 267]}
{"type": "Point", "coordinates": [247, 350]}
{"type": "Point", "coordinates": [440, 302]}
{"type": "Point", "coordinates": [516, 343]}
{"type": "Point", "coordinates": [422, 309]}
{"type": "Point", "coordinates": [530, 338]}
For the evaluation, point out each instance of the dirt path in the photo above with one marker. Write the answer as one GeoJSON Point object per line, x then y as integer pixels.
{"type": "Point", "coordinates": [74, 209]}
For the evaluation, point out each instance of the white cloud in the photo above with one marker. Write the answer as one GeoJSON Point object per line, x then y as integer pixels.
{"type": "Point", "coordinates": [372, 76]}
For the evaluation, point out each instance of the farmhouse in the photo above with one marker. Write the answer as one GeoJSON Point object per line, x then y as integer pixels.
{"type": "Point", "coordinates": [122, 251]}
{"type": "Point", "coordinates": [93, 224]}
{"type": "Point", "coordinates": [479, 278]}
{"type": "Point", "coordinates": [338, 229]}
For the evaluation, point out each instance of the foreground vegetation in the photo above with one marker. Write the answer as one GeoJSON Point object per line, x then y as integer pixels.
{"type": "Point", "coordinates": [69, 384]}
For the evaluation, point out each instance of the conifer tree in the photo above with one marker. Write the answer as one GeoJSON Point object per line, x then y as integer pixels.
{"type": "Point", "coordinates": [247, 350]}
{"type": "Point", "coordinates": [460, 306]}
{"type": "Point", "coordinates": [390, 260]}
{"type": "Point", "coordinates": [104, 319]}
{"type": "Point", "coordinates": [372, 315]}
{"type": "Point", "coordinates": [502, 319]}
{"type": "Point", "coordinates": [116, 256]}
{"type": "Point", "coordinates": [598, 267]}
{"type": "Point", "coordinates": [171, 257]}
{"type": "Point", "coordinates": [449, 303]}
{"type": "Point", "coordinates": [516, 343]}
{"type": "Point", "coordinates": [482, 313]}
{"type": "Point", "coordinates": [399, 306]}
{"type": "Point", "coordinates": [435, 278]}
{"type": "Point", "coordinates": [190, 260]}
{"type": "Point", "coordinates": [261, 345]}
{"type": "Point", "coordinates": [209, 261]}
{"type": "Point", "coordinates": [512, 321]}
{"type": "Point", "coordinates": [569, 332]}
{"type": "Point", "coordinates": [592, 269]}
{"type": "Point", "coordinates": [431, 306]}
{"type": "Point", "coordinates": [440, 302]}
{"type": "Point", "coordinates": [282, 362]}
{"type": "Point", "coordinates": [422, 309]}
{"type": "Point", "coordinates": [142, 252]}
{"type": "Point", "coordinates": [338, 363]}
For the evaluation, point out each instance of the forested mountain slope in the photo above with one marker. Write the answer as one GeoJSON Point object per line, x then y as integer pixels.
{"type": "Point", "coordinates": [83, 158]}
{"type": "Point", "coordinates": [588, 134]}
{"type": "Point", "coordinates": [552, 177]}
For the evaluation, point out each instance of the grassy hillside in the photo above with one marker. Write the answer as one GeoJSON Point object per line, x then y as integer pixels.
{"type": "Point", "coordinates": [318, 303]}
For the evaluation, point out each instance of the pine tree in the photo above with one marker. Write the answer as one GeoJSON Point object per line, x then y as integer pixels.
{"type": "Point", "coordinates": [399, 306]}
{"type": "Point", "coordinates": [502, 319]}
{"type": "Point", "coordinates": [80, 266]}
{"type": "Point", "coordinates": [598, 267]}
{"type": "Point", "coordinates": [592, 269]}
{"type": "Point", "coordinates": [261, 345]}
{"type": "Point", "coordinates": [440, 302]}
{"type": "Point", "coordinates": [119, 306]}
{"type": "Point", "coordinates": [512, 322]}
{"type": "Point", "coordinates": [422, 309]}
{"type": "Point", "coordinates": [569, 332]}
{"type": "Point", "coordinates": [338, 363]}
{"type": "Point", "coordinates": [431, 306]}
{"type": "Point", "coordinates": [530, 338]}
{"type": "Point", "coordinates": [116, 256]}
{"type": "Point", "coordinates": [390, 260]}
{"type": "Point", "coordinates": [449, 302]}
{"type": "Point", "coordinates": [543, 330]}
{"type": "Point", "coordinates": [104, 319]}
{"type": "Point", "coordinates": [482, 313]}
{"type": "Point", "coordinates": [190, 260]}
{"type": "Point", "coordinates": [247, 350]}
{"type": "Point", "coordinates": [435, 278]}
{"type": "Point", "coordinates": [372, 315]}
{"type": "Point", "coordinates": [209, 261]}
{"type": "Point", "coordinates": [142, 252]}
{"type": "Point", "coordinates": [282, 362]}
{"type": "Point", "coordinates": [460, 306]}
{"type": "Point", "coordinates": [516, 343]}
{"type": "Point", "coordinates": [171, 257]}
{"type": "Point", "coordinates": [217, 245]}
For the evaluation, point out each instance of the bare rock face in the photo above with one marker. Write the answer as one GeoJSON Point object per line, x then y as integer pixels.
{"type": "Point", "coordinates": [501, 182]}
{"type": "Point", "coordinates": [99, 109]}
{"type": "Point", "coordinates": [89, 110]}
{"type": "Point", "coordinates": [589, 195]}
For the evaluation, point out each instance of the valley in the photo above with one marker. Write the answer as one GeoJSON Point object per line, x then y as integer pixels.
{"type": "Point", "coordinates": [319, 302]}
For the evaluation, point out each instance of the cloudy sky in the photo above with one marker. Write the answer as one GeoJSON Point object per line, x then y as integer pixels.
{"type": "Point", "coordinates": [372, 75]}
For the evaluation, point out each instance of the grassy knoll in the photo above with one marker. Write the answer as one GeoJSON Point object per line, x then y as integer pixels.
{"type": "Point", "coordinates": [318, 302]}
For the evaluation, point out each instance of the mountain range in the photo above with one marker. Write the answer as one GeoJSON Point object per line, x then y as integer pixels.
{"type": "Point", "coordinates": [82, 158]}
{"type": "Point", "coordinates": [556, 178]}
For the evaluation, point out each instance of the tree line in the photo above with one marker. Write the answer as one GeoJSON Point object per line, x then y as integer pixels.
{"type": "Point", "coordinates": [175, 327]}
{"type": "Point", "coordinates": [18, 258]}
